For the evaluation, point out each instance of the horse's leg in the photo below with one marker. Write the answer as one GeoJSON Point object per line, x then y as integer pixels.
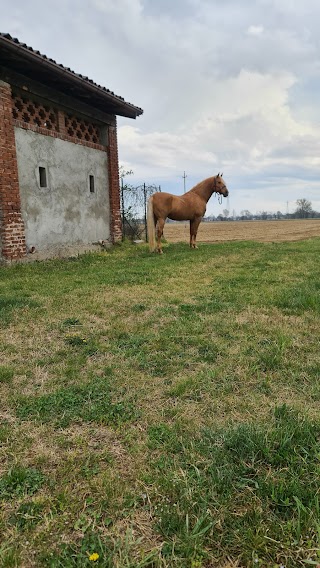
{"type": "Point", "coordinates": [194, 225]}
{"type": "Point", "coordinates": [159, 231]}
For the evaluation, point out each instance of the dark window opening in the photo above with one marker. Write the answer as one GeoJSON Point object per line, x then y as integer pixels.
{"type": "Point", "coordinates": [43, 177]}
{"type": "Point", "coordinates": [91, 184]}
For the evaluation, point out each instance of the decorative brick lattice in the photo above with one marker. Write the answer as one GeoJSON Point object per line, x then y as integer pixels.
{"type": "Point", "coordinates": [81, 129]}
{"type": "Point", "coordinates": [34, 113]}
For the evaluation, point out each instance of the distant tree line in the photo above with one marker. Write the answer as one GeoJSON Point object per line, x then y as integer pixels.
{"type": "Point", "coordinates": [303, 210]}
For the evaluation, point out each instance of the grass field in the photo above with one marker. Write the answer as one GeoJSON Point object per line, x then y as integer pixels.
{"type": "Point", "coordinates": [162, 411]}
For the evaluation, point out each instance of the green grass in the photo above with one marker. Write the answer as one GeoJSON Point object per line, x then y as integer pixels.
{"type": "Point", "coordinates": [10, 304]}
{"type": "Point", "coordinates": [162, 411]}
{"type": "Point", "coordinates": [91, 402]}
{"type": "Point", "coordinates": [6, 374]}
{"type": "Point", "coordinates": [19, 481]}
{"type": "Point", "coordinates": [252, 486]}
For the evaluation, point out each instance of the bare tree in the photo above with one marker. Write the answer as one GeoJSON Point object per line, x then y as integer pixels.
{"type": "Point", "coordinates": [304, 208]}
{"type": "Point", "coordinates": [245, 215]}
{"type": "Point", "coordinates": [226, 213]}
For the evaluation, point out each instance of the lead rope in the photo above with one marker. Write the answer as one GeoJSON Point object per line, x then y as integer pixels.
{"type": "Point", "coordinates": [217, 194]}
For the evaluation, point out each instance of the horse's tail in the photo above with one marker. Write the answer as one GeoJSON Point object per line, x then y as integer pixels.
{"type": "Point", "coordinates": [151, 227]}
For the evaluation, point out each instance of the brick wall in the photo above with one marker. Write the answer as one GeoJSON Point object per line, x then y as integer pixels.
{"type": "Point", "coordinates": [15, 112]}
{"type": "Point", "coordinates": [114, 186]}
{"type": "Point", "coordinates": [12, 235]}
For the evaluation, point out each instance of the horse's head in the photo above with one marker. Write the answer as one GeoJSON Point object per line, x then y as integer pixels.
{"type": "Point", "coordinates": [220, 186]}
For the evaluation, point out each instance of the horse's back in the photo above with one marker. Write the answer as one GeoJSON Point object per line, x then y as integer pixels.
{"type": "Point", "coordinates": [178, 208]}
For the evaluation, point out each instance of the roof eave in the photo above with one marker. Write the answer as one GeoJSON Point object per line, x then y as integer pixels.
{"type": "Point", "coordinates": [117, 105]}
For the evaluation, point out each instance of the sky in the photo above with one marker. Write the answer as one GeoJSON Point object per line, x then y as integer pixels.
{"type": "Point", "coordinates": [226, 86]}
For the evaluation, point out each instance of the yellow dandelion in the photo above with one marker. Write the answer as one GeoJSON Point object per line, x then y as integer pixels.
{"type": "Point", "coordinates": [94, 556]}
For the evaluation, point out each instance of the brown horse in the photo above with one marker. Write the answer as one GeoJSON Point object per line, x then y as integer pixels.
{"type": "Point", "coordinates": [188, 207]}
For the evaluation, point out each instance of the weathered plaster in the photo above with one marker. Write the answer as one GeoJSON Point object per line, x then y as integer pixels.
{"type": "Point", "coordinates": [65, 213]}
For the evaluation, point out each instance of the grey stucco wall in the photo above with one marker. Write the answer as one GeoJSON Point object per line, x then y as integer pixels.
{"type": "Point", "coordinates": [64, 214]}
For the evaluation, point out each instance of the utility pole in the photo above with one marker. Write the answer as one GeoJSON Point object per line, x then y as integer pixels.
{"type": "Point", "coordinates": [184, 181]}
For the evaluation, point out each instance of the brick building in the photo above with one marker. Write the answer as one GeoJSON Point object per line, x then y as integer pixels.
{"type": "Point", "coordinates": [59, 171]}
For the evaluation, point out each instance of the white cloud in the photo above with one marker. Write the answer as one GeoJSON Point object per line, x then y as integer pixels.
{"type": "Point", "coordinates": [242, 121]}
{"type": "Point", "coordinates": [255, 30]}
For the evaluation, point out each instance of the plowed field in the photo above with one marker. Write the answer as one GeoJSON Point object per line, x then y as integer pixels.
{"type": "Point", "coordinates": [264, 231]}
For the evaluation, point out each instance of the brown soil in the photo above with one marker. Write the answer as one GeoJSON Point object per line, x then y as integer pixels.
{"type": "Point", "coordinates": [264, 231]}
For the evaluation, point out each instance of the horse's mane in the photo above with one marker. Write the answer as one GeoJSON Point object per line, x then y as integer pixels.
{"type": "Point", "coordinates": [202, 184]}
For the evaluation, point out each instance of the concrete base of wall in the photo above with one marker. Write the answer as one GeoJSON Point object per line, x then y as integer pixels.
{"type": "Point", "coordinates": [60, 252]}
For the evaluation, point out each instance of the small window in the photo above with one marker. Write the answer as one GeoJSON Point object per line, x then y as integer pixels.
{"type": "Point", "coordinates": [91, 184]}
{"type": "Point", "coordinates": [43, 177]}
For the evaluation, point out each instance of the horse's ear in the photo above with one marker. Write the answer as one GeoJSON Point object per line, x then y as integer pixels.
{"type": "Point", "coordinates": [222, 175]}
{"type": "Point", "coordinates": [218, 174]}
